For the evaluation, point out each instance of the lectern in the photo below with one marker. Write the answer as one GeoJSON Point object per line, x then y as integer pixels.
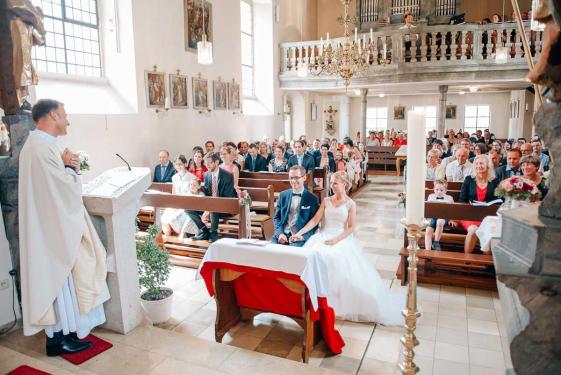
{"type": "Point", "coordinates": [112, 199]}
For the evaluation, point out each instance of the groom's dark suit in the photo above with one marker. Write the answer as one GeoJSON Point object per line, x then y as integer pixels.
{"type": "Point", "coordinates": [308, 207]}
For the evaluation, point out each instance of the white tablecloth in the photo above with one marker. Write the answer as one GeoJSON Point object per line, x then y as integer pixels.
{"type": "Point", "coordinates": [300, 261]}
{"type": "Point", "coordinates": [490, 228]}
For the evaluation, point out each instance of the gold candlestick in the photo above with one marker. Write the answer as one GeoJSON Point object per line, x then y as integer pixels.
{"type": "Point", "coordinates": [410, 313]}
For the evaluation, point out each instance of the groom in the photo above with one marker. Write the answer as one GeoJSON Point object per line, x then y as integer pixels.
{"type": "Point", "coordinates": [295, 207]}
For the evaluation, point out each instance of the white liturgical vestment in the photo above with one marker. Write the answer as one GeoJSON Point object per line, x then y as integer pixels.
{"type": "Point", "coordinates": [62, 260]}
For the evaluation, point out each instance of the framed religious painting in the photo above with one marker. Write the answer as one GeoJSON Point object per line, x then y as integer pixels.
{"type": "Point", "coordinates": [155, 87]}
{"type": "Point", "coordinates": [234, 102]}
{"type": "Point", "coordinates": [193, 16]}
{"type": "Point", "coordinates": [399, 112]}
{"type": "Point", "coordinates": [200, 93]}
{"type": "Point", "coordinates": [220, 93]}
{"type": "Point", "coordinates": [451, 111]}
{"type": "Point", "coordinates": [178, 91]}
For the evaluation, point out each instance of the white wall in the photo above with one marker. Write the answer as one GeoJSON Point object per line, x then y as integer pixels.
{"type": "Point", "coordinates": [157, 34]}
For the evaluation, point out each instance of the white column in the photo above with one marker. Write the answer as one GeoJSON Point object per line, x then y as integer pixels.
{"type": "Point", "coordinates": [441, 125]}
{"type": "Point", "coordinates": [345, 117]}
{"type": "Point", "coordinates": [363, 108]}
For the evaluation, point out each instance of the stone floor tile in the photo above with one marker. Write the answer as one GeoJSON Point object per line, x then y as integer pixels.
{"type": "Point", "coordinates": [484, 341]}
{"type": "Point", "coordinates": [486, 358]}
{"type": "Point", "coordinates": [481, 314]}
{"type": "Point", "coordinates": [341, 363]}
{"type": "Point", "coordinates": [357, 331]}
{"type": "Point", "coordinates": [174, 366]}
{"type": "Point", "coordinates": [372, 366]}
{"type": "Point", "coordinates": [452, 336]}
{"type": "Point", "coordinates": [278, 348]}
{"type": "Point", "coordinates": [124, 359]}
{"type": "Point", "coordinates": [445, 367]}
{"type": "Point", "coordinates": [483, 326]}
{"type": "Point", "coordinates": [481, 302]}
{"type": "Point", "coordinates": [451, 352]}
{"type": "Point", "coordinates": [452, 309]}
{"type": "Point", "coordinates": [452, 322]}
{"type": "Point", "coordinates": [479, 370]}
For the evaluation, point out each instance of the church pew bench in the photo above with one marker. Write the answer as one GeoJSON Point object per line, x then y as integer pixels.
{"type": "Point", "coordinates": [262, 225]}
{"type": "Point", "coordinates": [451, 266]}
{"type": "Point", "coordinates": [147, 215]}
{"type": "Point", "coordinates": [429, 184]}
{"type": "Point", "coordinates": [191, 252]}
{"type": "Point", "coordinates": [318, 173]}
{"type": "Point", "coordinates": [381, 158]}
{"type": "Point", "coordinates": [453, 193]}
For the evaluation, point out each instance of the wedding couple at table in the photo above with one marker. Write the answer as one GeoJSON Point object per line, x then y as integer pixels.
{"type": "Point", "coordinates": [356, 291]}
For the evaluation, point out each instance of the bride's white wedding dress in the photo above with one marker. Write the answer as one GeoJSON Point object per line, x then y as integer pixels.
{"type": "Point", "coordinates": [356, 291]}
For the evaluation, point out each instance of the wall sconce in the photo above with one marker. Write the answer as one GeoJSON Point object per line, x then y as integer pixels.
{"type": "Point", "coordinates": [240, 112]}
{"type": "Point", "coordinates": [205, 111]}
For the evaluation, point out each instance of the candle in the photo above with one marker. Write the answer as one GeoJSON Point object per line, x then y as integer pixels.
{"type": "Point", "coordinates": [356, 35]}
{"type": "Point", "coordinates": [327, 38]}
{"type": "Point", "coordinates": [416, 155]}
{"type": "Point", "coordinates": [321, 46]}
{"type": "Point", "coordinates": [384, 51]}
{"type": "Point", "coordinates": [166, 102]}
{"type": "Point", "coordinates": [364, 40]}
{"type": "Point", "coordinates": [371, 36]}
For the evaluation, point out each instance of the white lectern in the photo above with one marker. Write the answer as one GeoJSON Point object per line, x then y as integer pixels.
{"type": "Point", "coordinates": [112, 199]}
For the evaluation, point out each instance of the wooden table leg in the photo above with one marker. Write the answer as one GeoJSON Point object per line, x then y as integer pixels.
{"type": "Point", "coordinates": [227, 309]}
{"type": "Point", "coordinates": [308, 344]}
{"type": "Point", "coordinates": [398, 166]}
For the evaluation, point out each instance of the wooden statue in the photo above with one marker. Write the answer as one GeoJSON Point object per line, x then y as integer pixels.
{"type": "Point", "coordinates": [21, 27]}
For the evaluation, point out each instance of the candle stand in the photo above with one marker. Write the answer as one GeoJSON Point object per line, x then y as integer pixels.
{"type": "Point", "coordinates": [410, 313]}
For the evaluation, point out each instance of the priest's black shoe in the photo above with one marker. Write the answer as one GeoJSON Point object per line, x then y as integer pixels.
{"type": "Point", "coordinates": [64, 344]}
{"type": "Point", "coordinates": [203, 236]}
{"type": "Point", "coordinates": [213, 237]}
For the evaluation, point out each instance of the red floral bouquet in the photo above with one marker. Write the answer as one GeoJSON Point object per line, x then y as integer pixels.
{"type": "Point", "coordinates": [518, 188]}
{"type": "Point", "coordinates": [401, 199]}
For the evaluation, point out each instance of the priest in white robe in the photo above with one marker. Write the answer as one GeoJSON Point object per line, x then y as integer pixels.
{"type": "Point", "coordinates": [62, 260]}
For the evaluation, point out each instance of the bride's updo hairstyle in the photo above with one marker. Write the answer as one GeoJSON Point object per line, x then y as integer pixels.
{"type": "Point", "coordinates": [344, 178]}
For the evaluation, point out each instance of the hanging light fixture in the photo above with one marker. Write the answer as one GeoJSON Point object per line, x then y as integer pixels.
{"type": "Point", "coordinates": [204, 47]}
{"type": "Point", "coordinates": [501, 53]}
{"type": "Point", "coordinates": [346, 59]}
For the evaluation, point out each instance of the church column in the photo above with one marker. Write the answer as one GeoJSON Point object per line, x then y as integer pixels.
{"type": "Point", "coordinates": [441, 125]}
{"type": "Point", "coordinates": [345, 117]}
{"type": "Point", "coordinates": [363, 108]}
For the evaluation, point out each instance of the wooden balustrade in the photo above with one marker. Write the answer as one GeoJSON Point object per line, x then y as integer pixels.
{"type": "Point", "coordinates": [444, 45]}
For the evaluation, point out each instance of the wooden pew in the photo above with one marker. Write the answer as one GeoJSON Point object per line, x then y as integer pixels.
{"type": "Point", "coordinates": [320, 191]}
{"type": "Point", "coordinates": [453, 193]}
{"type": "Point", "coordinates": [191, 252]}
{"type": "Point", "coordinates": [451, 185]}
{"type": "Point", "coordinates": [261, 223]}
{"type": "Point", "coordinates": [381, 157]}
{"type": "Point", "coordinates": [451, 266]}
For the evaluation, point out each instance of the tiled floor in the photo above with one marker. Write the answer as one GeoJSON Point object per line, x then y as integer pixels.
{"type": "Point", "coordinates": [460, 331]}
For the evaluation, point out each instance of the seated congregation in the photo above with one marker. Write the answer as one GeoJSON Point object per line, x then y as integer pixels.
{"type": "Point", "coordinates": [467, 178]}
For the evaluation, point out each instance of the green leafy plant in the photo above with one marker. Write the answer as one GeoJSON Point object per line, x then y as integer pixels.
{"type": "Point", "coordinates": [154, 266]}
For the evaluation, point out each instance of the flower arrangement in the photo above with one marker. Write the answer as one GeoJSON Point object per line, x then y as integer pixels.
{"type": "Point", "coordinates": [402, 199]}
{"type": "Point", "coordinates": [245, 199]}
{"type": "Point", "coordinates": [84, 161]}
{"type": "Point", "coordinates": [518, 188]}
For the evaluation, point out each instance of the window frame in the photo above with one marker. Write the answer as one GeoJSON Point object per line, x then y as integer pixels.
{"type": "Point", "coordinates": [376, 119]}
{"type": "Point", "coordinates": [252, 37]}
{"type": "Point", "coordinates": [477, 117]}
{"type": "Point", "coordinates": [424, 109]}
{"type": "Point", "coordinates": [63, 19]}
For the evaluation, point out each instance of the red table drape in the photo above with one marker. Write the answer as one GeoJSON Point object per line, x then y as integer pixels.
{"type": "Point", "coordinates": [259, 289]}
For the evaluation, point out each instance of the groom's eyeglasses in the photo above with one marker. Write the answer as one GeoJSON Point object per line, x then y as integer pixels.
{"type": "Point", "coordinates": [294, 178]}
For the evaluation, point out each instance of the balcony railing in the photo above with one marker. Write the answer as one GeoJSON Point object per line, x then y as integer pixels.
{"type": "Point", "coordinates": [448, 48]}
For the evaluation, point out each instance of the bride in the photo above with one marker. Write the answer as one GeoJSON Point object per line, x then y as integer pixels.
{"type": "Point", "coordinates": [355, 289]}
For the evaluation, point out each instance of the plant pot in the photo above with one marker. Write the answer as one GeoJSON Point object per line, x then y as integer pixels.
{"type": "Point", "coordinates": [158, 311]}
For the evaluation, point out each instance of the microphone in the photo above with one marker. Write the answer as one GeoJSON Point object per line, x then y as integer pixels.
{"type": "Point", "coordinates": [123, 159]}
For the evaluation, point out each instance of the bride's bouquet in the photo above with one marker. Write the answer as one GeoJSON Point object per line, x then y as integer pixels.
{"type": "Point", "coordinates": [84, 161]}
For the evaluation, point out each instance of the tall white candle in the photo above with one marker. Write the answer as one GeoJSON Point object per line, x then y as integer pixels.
{"type": "Point", "coordinates": [327, 38]}
{"type": "Point", "coordinates": [384, 52]}
{"type": "Point", "coordinates": [371, 36]}
{"type": "Point", "coordinates": [416, 155]}
{"type": "Point", "coordinates": [321, 46]}
{"type": "Point", "coordinates": [356, 35]}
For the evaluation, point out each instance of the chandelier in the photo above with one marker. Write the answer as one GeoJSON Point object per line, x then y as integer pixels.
{"type": "Point", "coordinates": [345, 59]}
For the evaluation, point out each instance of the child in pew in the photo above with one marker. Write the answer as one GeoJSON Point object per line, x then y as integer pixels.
{"type": "Point", "coordinates": [436, 226]}
{"type": "Point", "coordinates": [189, 226]}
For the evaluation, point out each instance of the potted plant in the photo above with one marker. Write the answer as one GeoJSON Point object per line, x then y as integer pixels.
{"type": "Point", "coordinates": [153, 270]}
